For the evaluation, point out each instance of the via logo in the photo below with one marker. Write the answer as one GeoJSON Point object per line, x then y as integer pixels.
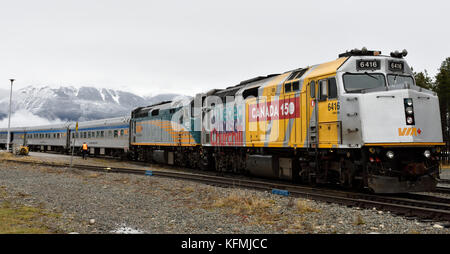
{"type": "Point", "coordinates": [411, 131]}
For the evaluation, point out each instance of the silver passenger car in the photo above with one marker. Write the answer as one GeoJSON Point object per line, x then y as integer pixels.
{"type": "Point", "coordinates": [103, 137]}
{"type": "Point", "coordinates": [47, 138]}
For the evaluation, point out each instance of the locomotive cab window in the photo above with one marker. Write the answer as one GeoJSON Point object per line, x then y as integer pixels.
{"type": "Point", "coordinates": [312, 88]}
{"type": "Point", "coordinates": [332, 88]}
{"type": "Point", "coordinates": [395, 80]}
{"type": "Point", "coordinates": [323, 87]}
{"type": "Point", "coordinates": [356, 83]}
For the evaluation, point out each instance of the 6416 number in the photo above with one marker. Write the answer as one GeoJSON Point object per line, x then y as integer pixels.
{"type": "Point", "coordinates": [332, 106]}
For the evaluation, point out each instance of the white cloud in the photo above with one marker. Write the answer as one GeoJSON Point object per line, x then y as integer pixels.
{"type": "Point", "coordinates": [23, 118]}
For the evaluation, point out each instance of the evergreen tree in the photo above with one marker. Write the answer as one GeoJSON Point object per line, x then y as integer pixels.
{"type": "Point", "coordinates": [443, 90]}
{"type": "Point", "coordinates": [424, 80]}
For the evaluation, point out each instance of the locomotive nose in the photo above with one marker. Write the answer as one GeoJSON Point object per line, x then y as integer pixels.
{"type": "Point", "coordinates": [402, 116]}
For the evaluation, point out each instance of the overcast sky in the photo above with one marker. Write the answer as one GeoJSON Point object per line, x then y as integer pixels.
{"type": "Point", "coordinates": [150, 47]}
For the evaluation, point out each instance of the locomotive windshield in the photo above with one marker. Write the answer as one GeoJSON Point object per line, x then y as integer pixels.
{"type": "Point", "coordinates": [354, 83]}
{"type": "Point", "coordinates": [394, 80]}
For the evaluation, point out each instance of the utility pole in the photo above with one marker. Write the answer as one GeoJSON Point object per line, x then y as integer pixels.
{"type": "Point", "coordinates": [74, 140]}
{"type": "Point", "coordinates": [9, 118]}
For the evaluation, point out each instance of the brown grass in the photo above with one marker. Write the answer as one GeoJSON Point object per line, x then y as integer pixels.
{"type": "Point", "coordinates": [302, 207]}
{"type": "Point", "coordinates": [240, 203]}
{"type": "Point", "coordinates": [93, 175]}
{"type": "Point", "coordinates": [257, 210]}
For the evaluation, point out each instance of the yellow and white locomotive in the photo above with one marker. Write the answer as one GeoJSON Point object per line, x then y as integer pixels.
{"type": "Point", "coordinates": [359, 120]}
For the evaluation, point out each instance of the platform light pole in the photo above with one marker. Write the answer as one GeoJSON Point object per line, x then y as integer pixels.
{"type": "Point", "coordinates": [9, 118]}
{"type": "Point", "coordinates": [74, 140]}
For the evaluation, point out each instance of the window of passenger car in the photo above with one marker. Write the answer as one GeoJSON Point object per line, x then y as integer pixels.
{"type": "Point", "coordinates": [115, 133]}
{"type": "Point", "coordinates": [121, 132]}
{"type": "Point", "coordinates": [102, 134]}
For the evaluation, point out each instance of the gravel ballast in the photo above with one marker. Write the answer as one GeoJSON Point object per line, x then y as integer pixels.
{"type": "Point", "coordinates": [97, 202]}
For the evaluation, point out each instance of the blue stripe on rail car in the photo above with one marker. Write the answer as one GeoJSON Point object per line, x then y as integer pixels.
{"type": "Point", "coordinates": [102, 128]}
{"type": "Point", "coordinates": [46, 131]}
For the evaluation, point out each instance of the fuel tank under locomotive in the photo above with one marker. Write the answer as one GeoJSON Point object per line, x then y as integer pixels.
{"type": "Point", "coordinates": [270, 166]}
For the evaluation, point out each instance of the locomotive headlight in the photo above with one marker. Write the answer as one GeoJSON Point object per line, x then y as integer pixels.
{"type": "Point", "coordinates": [409, 102]}
{"type": "Point", "coordinates": [390, 154]}
{"type": "Point", "coordinates": [409, 110]}
{"type": "Point", "coordinates": [427, 153]}
{"type": "Point", "coordinates": [409, 120]}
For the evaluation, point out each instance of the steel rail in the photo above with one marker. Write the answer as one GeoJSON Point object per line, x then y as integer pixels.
{"type": "Point", "coordinates": [441, 189]}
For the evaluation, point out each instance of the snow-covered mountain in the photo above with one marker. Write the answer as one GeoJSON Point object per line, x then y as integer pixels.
{"type": "Point", "coordinates": [76, 104]}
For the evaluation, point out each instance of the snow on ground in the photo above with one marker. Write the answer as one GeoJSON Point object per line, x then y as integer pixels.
{"type": "Point", "coordinates": [127, 230]}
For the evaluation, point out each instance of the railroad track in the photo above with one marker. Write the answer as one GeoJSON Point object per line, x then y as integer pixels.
{"type": "Point", "coordinates": [444, 181]}
{"type": "Point", "coordinates": [445, 190]}
{"type": "Point", "coordinates": [409, 205]}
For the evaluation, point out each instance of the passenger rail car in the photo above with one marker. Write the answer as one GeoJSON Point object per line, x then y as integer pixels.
{"type": "Point", "coordinates": [108, 137]}
{"type": "Point", "coordinates": [16, 137]}
{"type": "Point", "coordinates": [47, 138]}
{"type": "Point", "coordinates": [3, 138]}
{"type": "Point", "coordinates": [104, 137]}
